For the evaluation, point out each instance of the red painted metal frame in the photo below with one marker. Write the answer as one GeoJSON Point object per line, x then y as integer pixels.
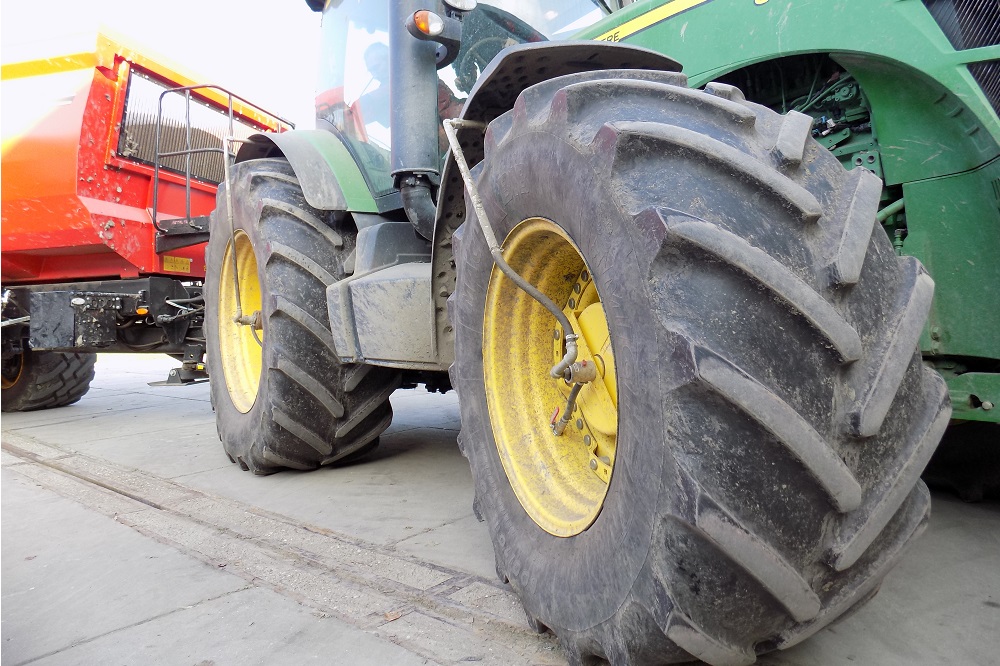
{"type": "Point", "coordinates": [75, 210]}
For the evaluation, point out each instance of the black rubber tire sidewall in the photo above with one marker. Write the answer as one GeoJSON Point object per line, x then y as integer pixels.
{"type": "Point", "coordinates": [242, 426]}
{"type": "Point", "coordinates": [23, 395]}
{"type": "Point", "coordinates": [615, 253]}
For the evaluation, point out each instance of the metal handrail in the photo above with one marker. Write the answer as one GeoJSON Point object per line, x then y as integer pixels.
{"type": "Point", "coordinates": [189, 151]}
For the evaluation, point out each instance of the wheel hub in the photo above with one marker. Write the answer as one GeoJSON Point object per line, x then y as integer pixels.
{"type": "Point", "coordinates": [560, 480]}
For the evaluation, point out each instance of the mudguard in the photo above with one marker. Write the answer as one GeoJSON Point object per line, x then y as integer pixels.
{"type": "Point", "coordinates": [326, 170]}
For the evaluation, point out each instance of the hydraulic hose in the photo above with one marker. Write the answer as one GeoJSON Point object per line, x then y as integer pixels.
{"type": "Point", "coordinates": [451, 128]}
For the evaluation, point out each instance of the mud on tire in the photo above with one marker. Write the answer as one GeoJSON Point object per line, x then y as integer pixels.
{"type": "Point", "coordinates": [43, 379]}
{"type": "Point", "coordinates": [310, 409]}
{"type": "Point", "coordinates": [774, 416]}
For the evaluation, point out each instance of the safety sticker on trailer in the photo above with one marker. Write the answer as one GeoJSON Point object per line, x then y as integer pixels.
{"type": "Point", "coordinates": [176, 264]}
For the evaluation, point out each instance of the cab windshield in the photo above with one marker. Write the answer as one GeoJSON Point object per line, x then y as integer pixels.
{"type": "Point", "coordinates": [354, 78]}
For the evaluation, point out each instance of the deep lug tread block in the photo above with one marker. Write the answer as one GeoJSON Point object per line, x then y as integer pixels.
{"type": "Point", "coordinates": [308, 219]}
{"type": "Point", "coordinates": [298, 258]}
{"type": "Point", "coordinates": [725, 91]}
{"type": "Point", "coordinates": [302, 432]}
{"type": "Point", "coordinates": [911, 522]}
{"type": "Point", "coordinates": [760, 561]}
{"type": "Point", "coordinates": [765, 270]}
{"type": "Point", "coordinates": [364, 409]}
{"type": "Point", "coordinates": [355, 375]}
{"type": "Point", "coordinates": [534, 105]}
{"type": "Point", "coordinates": [320, 393]}
{"type": "Point", "coordinates": [698, 643]}
{"type": "Point", "coordinates": [859, 209]}
{"type": "Point", "coordinates": [363, 443]}
{"type": "Point", "coordinates": [571, 100]}
{"type": "Point", "coordinates": [671, 139]}
{"type": "Point", "coordinates": [277, 460]}
{"type": "Point", "coordinates": [283, 306]}
{"type": "Point", "coordinates": [50, 379]}
{"type": "Point", "coordinates": [883, 502]}
{"type": "Point", "coordinates": [788, 427]}
{"type": "Point", "coordinates": [280, 176]}
{"type": "Point", "coordinates": [310, 409]}
{"type": "Point", "coordinates": [882, 376]}
{"type": "Point", "coordinates": [793, 138]}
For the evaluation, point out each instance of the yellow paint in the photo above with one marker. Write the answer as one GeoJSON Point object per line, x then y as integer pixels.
{"type": "Point", "coordinates": [643, 21]}
{"type": "Point", "coordinates": [241, 355]}
{"type": "Point", "coordinates": [44, 66]}
{"type": "Point", "coordinates": [176, 264]}
{"type": "Point", "coordinates": [110, 50]}
{"type": "Point", "coordinates": [560, 481]}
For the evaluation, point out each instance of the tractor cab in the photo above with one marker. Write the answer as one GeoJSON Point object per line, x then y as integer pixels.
{"type": "Point", "coordinates": [355, 97]}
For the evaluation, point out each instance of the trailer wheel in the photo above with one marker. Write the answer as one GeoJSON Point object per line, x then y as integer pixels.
{"type": "Point", "coordinates": [43, 379]}
{"type": "Point", "coordinates": [282, 397]}
{"type": "Point", "coordinates": [745, 469]}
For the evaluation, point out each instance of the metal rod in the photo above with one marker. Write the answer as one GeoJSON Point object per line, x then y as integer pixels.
{"type": "Point", "coordinates": [450, 129]}
{"type": "Point", "coordinates": [193, 151]}
{"type": "Point", "coordinates": [156, 163]}
{"type": "Point", "coordinates": [187, 160]}
{"type": "Point", "coordinates": [560, 427]}
{"type": "Point", "coordinates": [232, 228]}
{"type": "Point", "coordinates": [187, 90]}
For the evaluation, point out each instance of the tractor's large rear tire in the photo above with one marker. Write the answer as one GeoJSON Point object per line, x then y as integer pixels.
{"type": "Point", "coordinates": [773, 414]}
{"type": "Point", "coordinates": [282, 397]}
{"type": "Point", "coordinates": [42, 380]}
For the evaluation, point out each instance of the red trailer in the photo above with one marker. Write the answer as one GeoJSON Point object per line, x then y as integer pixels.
{"type": "Point", "coordinates": [103, 231]}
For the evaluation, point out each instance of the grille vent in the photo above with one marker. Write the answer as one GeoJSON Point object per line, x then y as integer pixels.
{"type": "Point", "coordinates": [987, 75]}
{"type": "Point", "coordinates": [209, 126]}
{"type": "Point", "coordinates": [968, 24]}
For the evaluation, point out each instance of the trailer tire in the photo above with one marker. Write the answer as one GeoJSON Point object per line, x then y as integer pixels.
{"type": "Point", "coordinates": [774, 414]}
{"type": "Point", "coordinates": [46, 379]}
{"type": "Point", "coordinates": [288, 402]}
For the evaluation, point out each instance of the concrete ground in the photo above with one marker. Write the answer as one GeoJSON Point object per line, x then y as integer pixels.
{"type": "Point", "coordinates": [129, 538]}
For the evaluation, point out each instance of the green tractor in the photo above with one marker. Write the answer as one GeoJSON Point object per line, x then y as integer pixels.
{"type": "Point", "coordinates": [689, 316]}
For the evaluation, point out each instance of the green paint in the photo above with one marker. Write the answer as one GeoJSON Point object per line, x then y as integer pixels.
{"type": "Point", "coordinates": [931, 117]}
{"type": "Point", "coordinates": [934, 139]}
{"type": "Point", "coordinates": [345, 169]}
{"type": "Point", "coordinates": [971, 395]}
{"type": "Point", "coordinates": [954, 230]}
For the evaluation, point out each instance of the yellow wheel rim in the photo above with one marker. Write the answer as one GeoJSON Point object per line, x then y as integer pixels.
{"type": "Point", "coordinates": [240, 354]}
{"type": "Point", "coordinates": [561, 481]}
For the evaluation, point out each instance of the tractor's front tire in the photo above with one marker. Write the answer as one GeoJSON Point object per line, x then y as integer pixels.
{"type": "Point", "coordinates": [43, 379]}
{"type": "Point", "coordinates": [761, 416]}
{"type": "Point", "coordinates": [282, 397]}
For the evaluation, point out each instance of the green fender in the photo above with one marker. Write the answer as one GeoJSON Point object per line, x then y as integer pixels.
{"type": "Point", "coordinates": [326, 170]}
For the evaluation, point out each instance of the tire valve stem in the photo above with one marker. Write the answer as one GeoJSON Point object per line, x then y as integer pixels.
{"type": "Point", "coordinates": [578, 374]}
